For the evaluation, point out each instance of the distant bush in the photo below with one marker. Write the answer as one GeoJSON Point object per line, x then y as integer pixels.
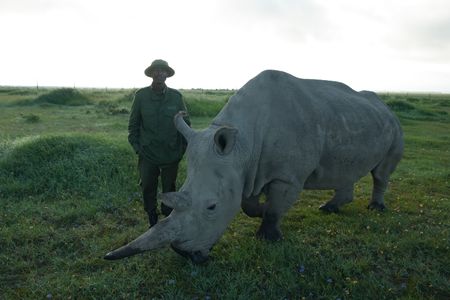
{"type": "Point", "coordinates": [399, 105]}
{"type": "Point", "coordinates": [64, 96]}
{"type": "Point", "coordinates": [443, 103]}
{"type": "Point", "coordinates": [31, 118]}
{"type": "Point", "coordinates": [23, 92]}
{"type": "Point", "coordinates": [118, 111]}
{"type": "Point", "coordinates": [112, 108]}
{"type": "Point", "coordinates": [126, 98]}
{"type": "Point", "coordinates": [6, 90]}
{"type": "Point", "coordinates": [59, 166]}
{"type": "Point", "coordinates": [414, 99]}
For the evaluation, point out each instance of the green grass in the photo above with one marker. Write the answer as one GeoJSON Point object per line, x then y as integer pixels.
{"type": "Point", "coordinates": [69, 194]}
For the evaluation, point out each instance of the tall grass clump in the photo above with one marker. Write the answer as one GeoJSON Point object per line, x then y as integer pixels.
{"type": "Point", "coordinates": [31, 118]}
{"type": "Point", "coordinates": [203, 108]}
{"type": "Point", "coordinates": [116, 105]}
{"type": "Point", "coordinates": [126, 98]}
{"type": "Point", "coordinates": [400, 106]}
{"type": "Point", "coordinates": [203, 103]}
{"type": "Point", "coordinates": [63, 96]}
{"type": "Point", "coordinates": [58, 166]}
{"type": "Point", "coordinates": [112, 108]}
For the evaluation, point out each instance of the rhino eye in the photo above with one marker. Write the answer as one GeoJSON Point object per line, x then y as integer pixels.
{"type": "Point", "coordinates": [211, 207]}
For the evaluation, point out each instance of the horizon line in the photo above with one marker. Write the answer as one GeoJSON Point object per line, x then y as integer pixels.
{"type": "Point", "coordinates": [199, 88]}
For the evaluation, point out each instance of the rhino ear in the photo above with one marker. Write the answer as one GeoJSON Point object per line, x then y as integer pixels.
{"type": "Point", "coordinates": [177, 200]}
{"type": "Point", "coordinates": [224, 139]}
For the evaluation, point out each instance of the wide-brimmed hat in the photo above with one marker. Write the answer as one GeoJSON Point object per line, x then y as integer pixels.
{"type": "Point", "coordinates": [159, 63]}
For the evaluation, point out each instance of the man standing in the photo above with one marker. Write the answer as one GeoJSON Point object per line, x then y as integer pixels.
{"type": "Point", "coordinates": [153, 136]}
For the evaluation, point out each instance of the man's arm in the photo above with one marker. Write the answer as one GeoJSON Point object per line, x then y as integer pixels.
{"type": "Point", "coordinates": [134, 125]}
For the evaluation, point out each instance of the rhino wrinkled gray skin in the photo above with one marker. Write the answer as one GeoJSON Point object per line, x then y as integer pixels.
{"type": "Point", "coordinates": [276, 136]}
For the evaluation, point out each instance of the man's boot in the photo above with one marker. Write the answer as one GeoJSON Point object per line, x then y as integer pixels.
{"type": "Point", "coordinates": [166, 210]}
{"type": "Point", "coordinates": [152, 218]}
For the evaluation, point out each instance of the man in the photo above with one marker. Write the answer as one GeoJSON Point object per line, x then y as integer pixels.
{"type": "Point", "coordinates": [152, 134]}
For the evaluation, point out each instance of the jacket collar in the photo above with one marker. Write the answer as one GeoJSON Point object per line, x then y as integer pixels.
{"type": "Point", "coordinates": [163, 91]}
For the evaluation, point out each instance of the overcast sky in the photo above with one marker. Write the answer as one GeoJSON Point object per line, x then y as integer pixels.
{"type": "Point", "coordinates": [381, 45]}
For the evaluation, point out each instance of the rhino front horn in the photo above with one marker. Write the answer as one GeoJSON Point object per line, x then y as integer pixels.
{"type": "Point", "coordinates": [156, 237]}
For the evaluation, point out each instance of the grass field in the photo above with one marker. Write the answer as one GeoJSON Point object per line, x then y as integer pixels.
{"type": "Point", "coordinates": [69, 194]}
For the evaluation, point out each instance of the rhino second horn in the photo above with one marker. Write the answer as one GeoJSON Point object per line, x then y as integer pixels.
{"type": "Point", "coordinates": [182, 126]}
{"type": "Point", "coordinates": [160, 235]}
{"type": "Point", "coordinates": [177, 200]}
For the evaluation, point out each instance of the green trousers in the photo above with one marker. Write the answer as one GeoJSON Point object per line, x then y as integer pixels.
{"type": "Point", "coordinates": [149, 174]}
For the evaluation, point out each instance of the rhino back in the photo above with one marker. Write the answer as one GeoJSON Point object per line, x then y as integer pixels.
{"type": "Point", "coordinates": [317, 132]}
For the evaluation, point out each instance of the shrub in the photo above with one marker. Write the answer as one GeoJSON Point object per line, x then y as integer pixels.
{"type": "Point", "coordinates": [64, 96]}
{"type": "Point", "coordinates": [112, 108]}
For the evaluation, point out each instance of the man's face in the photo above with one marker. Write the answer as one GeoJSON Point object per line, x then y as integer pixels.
{"type": "Point", "coordinates": [159, 75]}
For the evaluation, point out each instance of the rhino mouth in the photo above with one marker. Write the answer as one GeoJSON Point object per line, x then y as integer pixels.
{"type": "Point", "coordinates": [197, 257]}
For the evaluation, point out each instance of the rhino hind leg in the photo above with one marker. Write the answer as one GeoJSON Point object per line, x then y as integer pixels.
{"type": "Point", "coordinates": [341, 196]}
{"type": "Point", "coordinates": [280, 197]}
{"type": "Point", "coordinates": [380, 184]}
{"type": "Point", "coordinates": [380, 175]}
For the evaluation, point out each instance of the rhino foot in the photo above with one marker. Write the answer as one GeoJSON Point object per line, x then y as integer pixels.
{"type": "Point", "coordinates": [269, 233]}
{"type": "Point", "coordinates": [376, 206]}
{"type": "Point", "coordinates": [196, 257]}
{"type": "Point", "coordinates": [329, 208]}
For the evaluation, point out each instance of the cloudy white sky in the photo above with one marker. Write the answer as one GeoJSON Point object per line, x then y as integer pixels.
{"type": "Point", "coordinates": [381, 45]}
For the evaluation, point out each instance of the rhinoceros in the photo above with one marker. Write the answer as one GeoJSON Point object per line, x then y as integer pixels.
{"type": "Point", "coordinates": [276, 136]}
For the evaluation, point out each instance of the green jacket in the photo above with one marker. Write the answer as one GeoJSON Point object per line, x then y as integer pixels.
{"type": "Point", "coordinates": [151, 130]}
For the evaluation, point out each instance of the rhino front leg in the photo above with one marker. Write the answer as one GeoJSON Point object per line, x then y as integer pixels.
{"type": "Point", "coordinates": [280, 197]}
{"type": "Point", "coordinates": [252, 207]}
{"type": "Point", "coordinates": [341, 197]}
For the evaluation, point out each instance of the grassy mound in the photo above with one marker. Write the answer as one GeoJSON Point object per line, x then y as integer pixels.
{"type": "Point", "coordinates": [61, 166]}
{"type": "Point", "coordinates": [64, 96]}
